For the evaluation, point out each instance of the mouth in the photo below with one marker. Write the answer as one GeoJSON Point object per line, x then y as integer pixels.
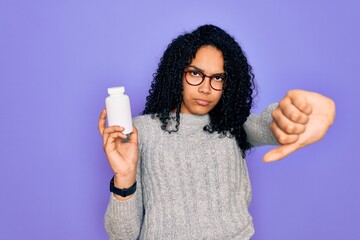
{"type": "Point", "coordinates": [202, 102]}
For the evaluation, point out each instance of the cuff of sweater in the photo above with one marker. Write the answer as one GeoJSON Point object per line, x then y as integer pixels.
{"type": "Point", "coordinates": [269, 110]}
{"type": "Point", "coordinates": [122, 209]}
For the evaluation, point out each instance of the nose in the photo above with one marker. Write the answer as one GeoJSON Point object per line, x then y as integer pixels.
{"type": "Point", "coordinates": [205, 86]}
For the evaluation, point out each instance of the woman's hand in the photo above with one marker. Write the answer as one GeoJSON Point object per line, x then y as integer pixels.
{"type": "Point", "coordinates": [122, 156]}
{"type": "Point", "coordinates": [302, 118]}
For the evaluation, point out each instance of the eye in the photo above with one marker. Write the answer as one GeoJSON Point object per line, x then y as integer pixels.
{"type": "Point", "coordinates": [194, 73]}
{"type": "Point", "coordinates": [219, 78]}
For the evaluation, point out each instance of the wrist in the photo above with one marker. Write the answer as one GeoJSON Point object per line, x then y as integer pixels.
{"type": "Point", "coordinates": [124, 171]}
{"type": "Point", "coordinates": [122, 192]}
{"type": "Point", "coordinates": [124, 181]}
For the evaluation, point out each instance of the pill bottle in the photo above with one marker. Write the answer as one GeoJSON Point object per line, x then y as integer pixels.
{"type": "Point", "coordinates": [118, 109]}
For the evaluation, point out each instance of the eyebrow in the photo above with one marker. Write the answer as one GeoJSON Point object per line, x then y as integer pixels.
{"type": "Point", "coordinates": [203, 71]}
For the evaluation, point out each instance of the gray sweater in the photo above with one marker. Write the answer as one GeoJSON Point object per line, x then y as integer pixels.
{"type": "Point", "coordinates": [191, 184]}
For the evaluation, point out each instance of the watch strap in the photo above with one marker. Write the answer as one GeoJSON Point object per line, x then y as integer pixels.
{"type": "Point", "coordinates": [124, 192]}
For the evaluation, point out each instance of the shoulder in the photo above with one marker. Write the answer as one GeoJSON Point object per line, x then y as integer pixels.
{"type": "Point", "coordinates": [146, 125]}
{"type": "Point", "coordinates": [145, 120]}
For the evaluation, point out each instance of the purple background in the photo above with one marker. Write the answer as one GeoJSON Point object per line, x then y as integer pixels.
{"type": "Point", "coordinates": [57, 59]}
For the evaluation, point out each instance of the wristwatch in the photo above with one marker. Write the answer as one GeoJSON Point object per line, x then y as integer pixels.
{"type": "Point", "coordinates": [124, 192]}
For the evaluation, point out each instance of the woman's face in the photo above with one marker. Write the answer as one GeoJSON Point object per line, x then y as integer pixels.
{"type": "Point", "coordinates": [203, 98]}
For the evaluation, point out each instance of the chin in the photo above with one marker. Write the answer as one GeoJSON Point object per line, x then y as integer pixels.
{"type": "Point", "coordinates": [196, 109]}
{"type": "Point", "coordinates": [200, 110]}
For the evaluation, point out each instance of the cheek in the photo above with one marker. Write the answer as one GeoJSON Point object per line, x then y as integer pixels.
{"type": "Point", "coordinates": [187, 90]}
{"type": "Point", "coordinates": [217, 97]}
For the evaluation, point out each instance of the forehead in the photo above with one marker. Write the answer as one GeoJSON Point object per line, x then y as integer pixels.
{"type": "Point", "coordinates": [210, 59]}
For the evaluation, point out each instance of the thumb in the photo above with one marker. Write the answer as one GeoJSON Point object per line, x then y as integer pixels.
{"type": "Point", "coordinates": [280, 152]}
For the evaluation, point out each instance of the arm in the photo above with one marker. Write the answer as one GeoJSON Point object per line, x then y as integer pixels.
{"type": "Point", "coordinates": [123, 218]}
{"type": "Point", "coordinates": [258, 129]}
{"type": "Point", "coordinates": [124, 215]}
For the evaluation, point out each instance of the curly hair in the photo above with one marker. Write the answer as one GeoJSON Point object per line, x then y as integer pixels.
{"type": "Point", "coordinates": [229, 115]}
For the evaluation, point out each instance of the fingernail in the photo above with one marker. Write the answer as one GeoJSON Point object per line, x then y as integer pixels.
{"type": "Point", "coordinates": [268, 160]}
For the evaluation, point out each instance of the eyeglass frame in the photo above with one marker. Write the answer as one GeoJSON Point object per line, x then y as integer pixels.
{"type": "Point", "coordinates": [204, 76]}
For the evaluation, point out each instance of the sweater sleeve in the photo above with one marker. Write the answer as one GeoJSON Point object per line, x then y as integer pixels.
{"type": "Point", "coordinates": [258, 130]}
{"type": "Point", "coordinates": [123, 219]}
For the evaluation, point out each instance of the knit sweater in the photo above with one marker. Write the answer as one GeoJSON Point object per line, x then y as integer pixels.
{"type": "Point", "coordinates": [191, 184]}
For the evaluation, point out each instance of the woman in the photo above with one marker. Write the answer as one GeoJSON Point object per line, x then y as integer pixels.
{"type": "Point", "coordinates": [182, 174]}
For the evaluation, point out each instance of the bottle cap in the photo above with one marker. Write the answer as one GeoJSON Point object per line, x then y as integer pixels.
{"type": "Point", "coordinates": [116, 90]}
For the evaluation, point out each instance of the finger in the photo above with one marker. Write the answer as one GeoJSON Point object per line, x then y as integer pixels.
{"type": "Point", "coordinates": [281, 136]}
{"type": "Point", "coordinates": [298, 98]}
{"type": "Point", "coordinates": [110, 141]}
{"type": "Point", "coordinates": [290, 111]}
{"type": "Point", "coordinates": [110, 130]}
{"type": "Point", "coordinates": [285, 124]}
{"type": "Point", "coordinates": [279, 152]}
{"type": "Point", "coordinates": [113, 129]}
{"type": "Point", "coordinates": [102, 121]}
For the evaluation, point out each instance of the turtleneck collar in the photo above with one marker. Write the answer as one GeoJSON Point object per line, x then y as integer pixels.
{"type": "Point", "coordinates": [194, 120]}
{"type": "Point", "coordinates": [191, 121]}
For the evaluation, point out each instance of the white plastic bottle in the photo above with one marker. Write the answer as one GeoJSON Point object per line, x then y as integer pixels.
{"type": "Point", "coordinates": [118, 109]}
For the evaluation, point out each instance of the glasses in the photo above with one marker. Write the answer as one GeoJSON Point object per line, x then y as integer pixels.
{"type": "Point", "coordinates": [195, 78]}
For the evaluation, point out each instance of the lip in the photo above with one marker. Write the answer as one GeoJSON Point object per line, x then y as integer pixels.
{"type": "Point", "coordinates": [202, 102]}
